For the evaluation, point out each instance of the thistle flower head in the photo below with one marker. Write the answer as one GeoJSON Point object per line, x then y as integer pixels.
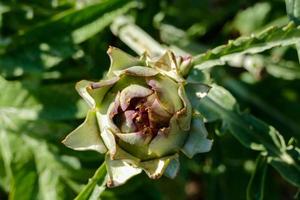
{"type": "Point", "coordinates": [140, 117]}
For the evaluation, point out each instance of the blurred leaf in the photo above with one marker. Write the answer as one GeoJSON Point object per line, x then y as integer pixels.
{"type": "Point", "coordinates": [136, 38]}
{"type": "Point", "coordinates": [293, 10]}
{"type": "Point", "coordinates": [46, 102]}
{"type": "Point", "coordinates": [255, 17]}
{"type": "Point", "coordinates": [244, 92]}
{"type": "Point", "coordinates": [54, 40]}
{"type": "Point", "coordinates": [270, 38]}
{"type": "Point", "coordinates": [251, 132]}
{"type": "Point", "coordinates": [172, 35]}
{"type": "Point", "coordinates": [255, 190]}
{"type": "Point", "coordinates": [36, 168]}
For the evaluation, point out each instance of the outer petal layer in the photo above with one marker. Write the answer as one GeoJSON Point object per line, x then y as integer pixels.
{"type": "Point", "coordinates": [185, 114]}
{"type": "Point", "coordinates": [156, 168]}
{"type": "Point", "coordinates": [119, 171]}
{"type": "Point", "coordinates": [137, 71]}
{"type": "Point", "coordinates": [197, 141]}
{"type": "Point", "coordinates": [93, 92]}
{"type": "Point", "coordinates": [120, 60]}
{"type": "Point", "coordinates": [86, 136]}
{"type": "Point", "coordinates": [166, 90]}
{"type": "Point", "coordinates": [168, 140]}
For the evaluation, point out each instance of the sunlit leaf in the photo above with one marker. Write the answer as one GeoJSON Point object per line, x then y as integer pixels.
{"type": "Point", "coordinates": [270, 38]}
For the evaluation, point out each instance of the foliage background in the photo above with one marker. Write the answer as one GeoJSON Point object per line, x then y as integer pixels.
{"type": "Point", "coordinates": [47, 46]}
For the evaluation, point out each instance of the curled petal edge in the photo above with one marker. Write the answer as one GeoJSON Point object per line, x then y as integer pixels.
{"type": "Point", "coordinates": [157, 167]}
{"type": "Point", "coordinates": [94, 92]}
{"type": "Point", "coordinates": [119, 171]}
{"type": "Point", "coordinates": [197, 141]}
{"type": "Point", "coordinates": [86, 136]}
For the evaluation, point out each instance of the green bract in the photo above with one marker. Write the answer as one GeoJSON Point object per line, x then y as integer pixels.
{"type": "Point", "coordinates": [140, 117]}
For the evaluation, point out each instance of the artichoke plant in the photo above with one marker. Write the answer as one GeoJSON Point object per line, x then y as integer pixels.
{"type": "Point", "coordinates": [140, 117]}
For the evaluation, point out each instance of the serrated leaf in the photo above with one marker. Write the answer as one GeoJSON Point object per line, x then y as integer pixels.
{"type": "Point", "coordinates": [270, 38]}
{"type": "Point", "coordinates": [250, 132]}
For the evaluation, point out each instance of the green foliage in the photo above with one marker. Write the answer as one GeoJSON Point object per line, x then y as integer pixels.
{"type": "Point", "coordinates": [47, 46]}
{"type": "Point", "coordinates": [270, 38]}
{"type": "Point", "coordinates": [257, 182]}
{"type": "Point", "coordinates": [251, 132]}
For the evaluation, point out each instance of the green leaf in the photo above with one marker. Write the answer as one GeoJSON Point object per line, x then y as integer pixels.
{"type": "Point", "coordinates": [270, 38]}
{"type": "Point", "coordinates": [255, 190]}
{"type": "Point", "coordinates": [255, 16]}
{"type": "Point", "coordinates": [288, 165]}
{"type": "Point", "coordinates": [95, 186]}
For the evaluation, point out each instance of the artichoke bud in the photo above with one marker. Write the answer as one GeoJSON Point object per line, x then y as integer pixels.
{"type": "Point", "coordinates": [140, 117]}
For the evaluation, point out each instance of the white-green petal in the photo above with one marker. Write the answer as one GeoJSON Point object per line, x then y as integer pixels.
{"type": "Point", "coordinates": [106, 133]}
{"type": "Point", "coordinates": [120, 60]}
{"type": "Point", "coordinates": [86, 136]}
{"type": "Point", "coordinates": [137, 71]}
{"type": "Point", "coordinates": [119, 171]}
{"type": "Point", "coordinates": [94, 92]}
{"type": "Point", "coordinates": [197, 141]}
{"type": "Point", "coordinates": [132, 91]}
{"type": "Point", "coordinates": [155, 168]}
{"type": "Point", "coordinates": [109, 140]}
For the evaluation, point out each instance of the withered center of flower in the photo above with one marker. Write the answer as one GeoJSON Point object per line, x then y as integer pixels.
{"type": "Point", "coordinates": [137, 118]}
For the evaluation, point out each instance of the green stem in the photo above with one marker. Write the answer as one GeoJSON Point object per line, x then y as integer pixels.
{"type": "Point", "coordinates": [95, 186]}
{"type": "Point", "coordinates": [136, 38]}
